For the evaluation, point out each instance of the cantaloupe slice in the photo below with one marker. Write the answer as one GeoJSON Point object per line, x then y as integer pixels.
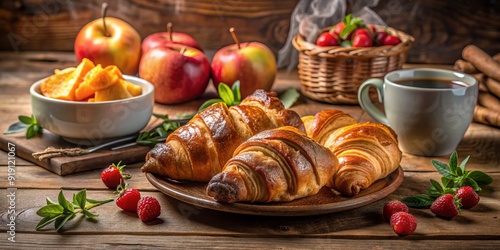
{"type": "Point", "coordinates": [114, 92]}
{"type": "Point", "coordinates": [52, 82]}
{"type": "Point", "coordinates": [65, 90]}
{"type": "Point", "coordinates": [134, 90]}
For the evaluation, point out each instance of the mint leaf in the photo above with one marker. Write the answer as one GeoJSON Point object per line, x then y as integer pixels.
{"type": "Point", "coordinates": [226, 93]}
{"type": "Point", "coordinates": [16, 128]}
{"type": "Point", "coordinates": [442, 168]}
{"type": "Point", "coordinates": [437, 186]}
{"type": "Point", "coordinates": [236, 91]}
{"type": "Point", "coordinates": [80, 198]}
{"type": "Point", "coordinates": [471, 182]}
{"type": "Point", "coordinates": [462, 164]}
{"type": "Point", "coordinates": [27, 119]}
{"type": "Point", "coordinates": [481, 178]}
{"type": "Point", "coordinates": [45, 221]}
{"type": "Point", "coordinates": [207, 103]}
{"type": "Point", "coordinates": [418, 201]}
{"type": "Point", "coordinates": [60, 221]}
{"type": "Point", "coordinates": [453, 163]}
{"type": "Point", "coordinates": [63, 211]}
{"type": "Point", "coordinates": [67, 206]}
{"type": "Point", "coordinates": [50, 210]}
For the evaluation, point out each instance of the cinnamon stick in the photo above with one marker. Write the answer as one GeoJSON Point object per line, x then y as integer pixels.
{"type": "Point", "coordinates": [493, 86]}
{"type": "Point", "coordinates": [486, 116]}
{"type": "Point", "coordinates": [465, 66]}
{"type": "Point", "coordinates": [488, 101]}
{"type": "Point", "coordinates": [482, 61]}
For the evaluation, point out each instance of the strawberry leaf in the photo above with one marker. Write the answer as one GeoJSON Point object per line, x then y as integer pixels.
{"type": "Point", "coordinates": [442, 168]}
{"type": "Point", "coordinates": [418, 201]}
{"type": "Point", "coordinates": [481, 178]}
{"type": "Point", "coordinates": [437, 186]}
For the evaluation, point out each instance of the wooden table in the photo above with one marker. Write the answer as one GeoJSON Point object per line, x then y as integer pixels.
{"type": "Point", "coordinates": [185, 226]}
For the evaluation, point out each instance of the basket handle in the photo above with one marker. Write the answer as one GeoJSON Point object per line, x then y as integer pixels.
{"type": "Point", "coordinates": [367, 104]}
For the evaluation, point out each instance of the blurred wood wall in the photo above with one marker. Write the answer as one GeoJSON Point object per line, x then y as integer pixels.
{"type": "Point", "coordinates": [441, 28]}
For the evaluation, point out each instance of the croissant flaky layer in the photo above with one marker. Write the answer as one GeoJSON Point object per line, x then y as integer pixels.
{"type": "Point", "coordinates": [366, 151]}
{"type": "Point", "coordinates": [198, 150]}
{"type": "Point", "coordinates": [280, 164]}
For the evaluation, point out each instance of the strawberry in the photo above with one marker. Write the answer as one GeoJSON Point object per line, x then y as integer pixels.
{"type": "Point", "coordinates": [362, 40]}
{"type": "Point", "coordinates": [128, 199]}
{"type": "Point", "coordinates": [391, 40]}
{"type": "Point", "coordinates": [445, 206]}
{"type": "Point", "coordinates": [148, 208]}
{"type": "Point", "coordinates": [467, 196]}
{"type": "Point", "coordinates": [328, 39]}
{"type": "Point", "coordinates": [403, 223]}
{"type": "Point", "coordinates": [113, 176]}
{"type": "Point", "coordinates": [393, 207]}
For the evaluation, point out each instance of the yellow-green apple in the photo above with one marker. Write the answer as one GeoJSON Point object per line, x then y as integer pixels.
{"type": "Point", "coordinates": [109, 41]}
{"type": "Point", "coordinates": [179, 73]}
{"type": "Point", "coordinates": [168, 37]}
{"type": "Point", "coordinates": [252, 63]}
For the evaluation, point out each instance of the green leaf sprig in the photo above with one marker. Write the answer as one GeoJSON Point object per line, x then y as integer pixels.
{"type": "Point", "coordinates": [25, 123]}
{"type": "Point", "coordinates": [232, 96]}
{"type": "Point", "coordinates": [160, 132]}
{"type": "Point", "coordinates": [351, 24]}
{"type": "Point", "coordinates": [229, 95]}
{"type": "Point", "coordinates": [63, 210]}
{"type": "Point", "coordinates": [454, 176]}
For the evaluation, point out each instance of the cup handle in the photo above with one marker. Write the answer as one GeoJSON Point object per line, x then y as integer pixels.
{"type": "Point", "coordinates": [367, 104]}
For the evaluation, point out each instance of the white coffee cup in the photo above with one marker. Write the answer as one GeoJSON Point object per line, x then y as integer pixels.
{"type": "Point", "coordinates": [429, 109]}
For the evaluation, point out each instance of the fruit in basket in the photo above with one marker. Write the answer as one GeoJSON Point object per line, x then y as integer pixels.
{"type": "Point", "coordinates": [328, 39]}
{"type": "Point", "coordinates": [362, 40]}
{"type": "Point", "coordinates": [168, 37]}
{"type": "Point", "coordinates": [109, 41]}
{"type": "Point", "coordinates": [179, 73]}
{"type": "Point", "coordinates": [251, 63]}
{"type": "Point", "coordinates": [352, 32]}
{"type": "Point", "coordinates": [391, 40]}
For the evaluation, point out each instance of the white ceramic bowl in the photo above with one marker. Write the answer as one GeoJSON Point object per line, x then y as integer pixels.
{"type": "Point", "coordinates": [91, 123]}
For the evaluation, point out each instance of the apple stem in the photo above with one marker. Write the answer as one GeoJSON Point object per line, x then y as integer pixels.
{"type": "Point", "coordinates": [182, 50]}
{"type": "Point", "coordinates": [170, 31]}
{"type": "Point", "coordinates": [235, 38]}
{"type": "Point", "coordinates": [104, 9]}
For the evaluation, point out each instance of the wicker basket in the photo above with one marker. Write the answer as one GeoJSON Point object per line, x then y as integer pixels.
{"type": "Point", "coordinates": [333, 74]}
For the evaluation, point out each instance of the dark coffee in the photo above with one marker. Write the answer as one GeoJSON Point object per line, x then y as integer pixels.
{"type": "Point", "coordinates": [430, 83]}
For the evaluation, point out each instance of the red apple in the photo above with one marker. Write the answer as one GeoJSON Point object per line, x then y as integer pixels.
{"type": "Point", "coordinates": [252, 63]}
{"type": "Point", "coordinates": [179, 73]}
{"type": "Point", "coordinates": [169, 37]}
{"type": "Point", "coordinates": [109, 41]}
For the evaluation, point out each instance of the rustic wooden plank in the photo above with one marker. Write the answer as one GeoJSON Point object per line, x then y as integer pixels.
{"type": "Point", "coordinates": [180, 218]}
{"type": "Point", "coordinates": [441, 30]}
{"type": "Point", "coordinates": [105, 241]}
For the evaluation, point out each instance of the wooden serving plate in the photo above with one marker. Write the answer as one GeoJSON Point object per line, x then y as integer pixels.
{"type": "Point", "coordinates": [322, 203]}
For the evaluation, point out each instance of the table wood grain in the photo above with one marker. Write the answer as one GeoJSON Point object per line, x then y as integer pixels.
{"type": "Point", "coordinates": [185, 226]}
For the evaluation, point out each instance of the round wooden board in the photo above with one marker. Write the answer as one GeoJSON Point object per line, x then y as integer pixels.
{"type": "Point", "coordinates": [322, 203]}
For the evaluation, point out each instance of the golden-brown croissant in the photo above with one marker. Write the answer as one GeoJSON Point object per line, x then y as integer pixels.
{"type": "Point", "coordinates": [276, 165]}
{"type": "Point", "coordinates": [198, 150]}
{"type": "Point", "coordinates": [366, 151]}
